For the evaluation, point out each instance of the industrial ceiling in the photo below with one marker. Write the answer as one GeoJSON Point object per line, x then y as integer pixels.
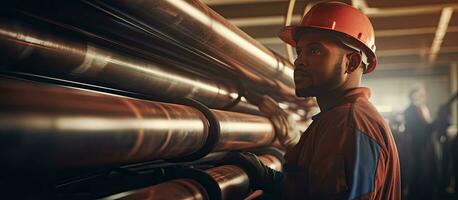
{"type": "Point", "coordinates": [419, 34]}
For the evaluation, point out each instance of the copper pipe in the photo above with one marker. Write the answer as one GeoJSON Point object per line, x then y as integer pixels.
{"type": "Point", "coordinates": [242, 131]}
{"type": "Point", "coordinates": [26, 49]}
{"type": "Point", "coordinates": [232, 180]}
{"type": "Point", "coordinates": [62, 127]}
{"type": "Point", "coordinates": [53, 126]}
{"type": "Point", "coordinates": [194, 23]}
{"type": "Point", "coordinates": [171, 30]}
{"type": "Point", "coordinates": [186, 189]}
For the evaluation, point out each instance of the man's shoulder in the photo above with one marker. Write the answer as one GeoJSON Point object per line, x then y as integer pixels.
{"type": "Point", "coordinates": [366, 110]}
{"type": "Point", "coordinates": [353, 110]}
{"type": "Point", "coordinates": [369, 121]}
{"type": "Point", "coordinates": [361, 115]}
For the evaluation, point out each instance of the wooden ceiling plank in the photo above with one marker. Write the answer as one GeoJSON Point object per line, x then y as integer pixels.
{"type": "Point", "coordinates": [360, 4]}
{"type": "Point", "coordinates": [444, 20]}
{"type": "Point", "coordinates": [407, 31]}
{"type": "Point", "coordinates": [371, 12]}
{"type": "Point", "coordinates": [379, 33]}
{"type": "Point", "coordinates": [263, 21]}
{"type": "Point", "coordinates": [408, 10]}
{"type": "Point", "coordinates": [270, 40]}
{"type": "Point", "coordinates": [230, 2]}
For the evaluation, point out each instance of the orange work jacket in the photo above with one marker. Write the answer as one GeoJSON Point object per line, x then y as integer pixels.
{"type": "Point", "coordinates": [348, 152]}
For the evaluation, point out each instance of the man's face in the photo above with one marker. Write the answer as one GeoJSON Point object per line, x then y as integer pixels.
{"type": "Point", "coordinates": [320, 64]}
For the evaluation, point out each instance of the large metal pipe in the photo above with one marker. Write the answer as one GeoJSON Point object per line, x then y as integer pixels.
{"type": "Point", "coordinates": [186, 189]}
{"type": "Point", "coordinates": [194, 23]}
{"type": "Point", "coordinates": [177, 29]}
{"type": "Point", "coordinates": [232, 181]}
{"type": "Point", "coordinates": [26, 49]}
{"type": "Point", "coordinates": [101, 27]}
{"type": "Point", "coordinates": [242, 131]}
{"type": "Point", "coordinates": [58, 127]}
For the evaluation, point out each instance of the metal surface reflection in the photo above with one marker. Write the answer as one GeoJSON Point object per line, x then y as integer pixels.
{"type": "Point", "coordinates": [199, 27]}
{"type": "Point", "coordinates": [232, 181]}
{"type": "Point", "coordinates": [242, 131]}
{"type": "Point", "coordinates": [53, 126]}
{"type": "Point", "coordinates": [62, 127]}
{"type": "Point", "coordinates": [30, 50]}
{"type": "Point", "coordinates": [186, 189]}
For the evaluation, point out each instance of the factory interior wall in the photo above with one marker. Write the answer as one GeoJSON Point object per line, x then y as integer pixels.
{"type": "Point", "coordinates": [390, 93]}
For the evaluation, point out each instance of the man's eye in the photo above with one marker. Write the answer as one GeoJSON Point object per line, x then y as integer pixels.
{"type": "Point", "coordinates": [315, 51]}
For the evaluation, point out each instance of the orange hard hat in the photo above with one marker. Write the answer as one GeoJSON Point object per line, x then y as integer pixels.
{"type": "Point", "coordinates": [341, 18]}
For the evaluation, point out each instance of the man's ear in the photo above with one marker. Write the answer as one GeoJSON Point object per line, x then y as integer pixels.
{"type": "Point", "coordinates": [354, 62]}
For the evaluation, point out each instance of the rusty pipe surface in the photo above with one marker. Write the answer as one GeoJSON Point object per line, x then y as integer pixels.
{"type": "Point", "coordinates": [54, 126]}
{"type": "Point", "coordinates": [232, 181]}
{"type": "Point", "coordinates": [27, 49]}
{"type": "Point", "coordinates": [194, 23]}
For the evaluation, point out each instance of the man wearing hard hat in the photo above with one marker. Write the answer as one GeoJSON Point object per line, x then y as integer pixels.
{"type": "Point", "coordinates": [348, 152]}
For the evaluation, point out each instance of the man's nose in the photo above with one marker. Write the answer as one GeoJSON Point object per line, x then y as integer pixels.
{"type": "Point", "coordinates": [300, 62]}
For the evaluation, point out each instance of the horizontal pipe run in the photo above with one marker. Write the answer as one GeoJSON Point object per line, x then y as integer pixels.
{"type": "Point", "coordinates": [194, 23]}
{"type": "Point", "coordinates": [242, 131]}
{"type": "Point", "coordinates": [180, 30]}
{"type": "Point", "coordinates": [59, 127]}
{"type": "Point", "coordinates": [62, 127]}
{"type": "Point", "coordinates": [185, 189]}
{"type": "Point", "coordinates": [101, 27]}
{"type": "Point", "coordinates": [232, 181]}
{"type": "Point", "coordinates": [30, 50]}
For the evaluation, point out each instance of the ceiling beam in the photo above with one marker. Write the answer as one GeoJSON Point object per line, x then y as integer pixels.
{"type": "Point", "coordinates": [394, 52]}
{"type": "Point", "coordinates": [444, 20]}
{"type": "Point", "coordinates": [412, 65]}
{"type": "Point", "coordinates": [371, 12]}
{"type": "Point", "coordinates": [263, 21]}
{"type": "Point", "coordinates": [378, 33]}
{"type": "Point", "coordinates": [269, 40]}
{"type": "Point", "coordinates": [360, 4]}
{"type": "Point", "coordinates": [397, 66]}
{"type": "Point", "coordinates": [401, 52]}
{"type": "Point", "coordinates": [407, 10]}
{"type": "Point", "coordinates": [407, 31]}
{"type": "Point", "coordinates": [230, 2]}
{"type": "Point", "coordinates": [414, 51]}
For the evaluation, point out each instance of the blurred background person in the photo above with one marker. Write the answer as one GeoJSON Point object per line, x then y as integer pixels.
{"type": "Point", "coordinates": [418, 127]}
{"type": "Point", "coordinates": [447, 150]}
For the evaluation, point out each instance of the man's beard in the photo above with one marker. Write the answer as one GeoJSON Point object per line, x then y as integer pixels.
{"type": "Point", "coordinates": [317, 90]}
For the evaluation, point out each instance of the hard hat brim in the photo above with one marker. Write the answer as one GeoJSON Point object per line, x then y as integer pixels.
{"type": "Point", "coordinates": [287, 34]}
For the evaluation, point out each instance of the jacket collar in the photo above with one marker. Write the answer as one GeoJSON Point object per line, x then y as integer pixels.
{"type": "Point", "coordinates": [349, 96]}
